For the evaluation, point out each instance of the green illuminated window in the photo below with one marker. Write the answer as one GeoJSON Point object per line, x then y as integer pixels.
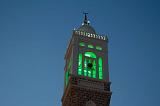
{"type": "Point", "coordinates": [98, 48]}
{"type": "Point", "coordinates": [90, 64]}
{"type": "Point", "coordinates": [85, 67]}
{"type": "Point", "coordinates": [100, 64]}
{"type": "Point", "coordinates": [88, 67]}
{"type": "Point", "coordinates": [89, 73]}
{"type": "Point", "coordinates": [90, 54]}
{"type": "Point", "coordinates": [94, 69]}
{"type": "Point", "coordinates": [67, 76]}
{"type": "Point", "coordinates": [85, 72]}
{"type": "Point", "coordinates": [80, 64]}
{"type": "Point", "coordinates": [90, 46]}
{"type": "Point", "coordinates": [81, 44]}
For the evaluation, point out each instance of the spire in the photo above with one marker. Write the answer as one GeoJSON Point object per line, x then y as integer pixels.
{"type": "Point", "coordinates": [85, 25]}
{"type": "Point", "coordinates": [85, 22]}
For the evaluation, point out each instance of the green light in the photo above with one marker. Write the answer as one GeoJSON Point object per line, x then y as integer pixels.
{"type": "Point", "coordinates": [81, 44]}
{"type": "Point", "coordinates": [94, 69]}
{"type": "Point", "coordinates": [89, 73]}
{"type": "Point", "coordinates": [67, 77]}
{"type": "Point", "coordinates": [68, 71]}
{"type": "Point", "coordinates": [85, 72]}
{"type": "Point", "coordinates": [80, 64]}
{"type": "Point", "coordinates": [90, 54]}
{"type": "Point", "coordinates": [100, 62]}
{"type": "Point", "coordinates": [85, 63]}
{"type": "Point", "coordinates": [85, 67]}
{"type": "Point", "coordinates": [90, 46]}
{"type": "Point", "coordinates": [98, 48]}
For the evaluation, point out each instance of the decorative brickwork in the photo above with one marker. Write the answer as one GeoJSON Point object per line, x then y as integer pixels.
{"type": "Point", "coordinates": [76, 95]}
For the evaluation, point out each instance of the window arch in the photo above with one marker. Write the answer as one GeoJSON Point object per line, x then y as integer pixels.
{"type": "Point", "coordinates": [90, 54]}
{"type": "Point", "coordinates": [90, 46]}
{"type": "Point", "coordinates": [81, 44]}
{"type": "Point", "coordinates": [98, 48]}
{"type": "Point", "coordinates": [87, 64]}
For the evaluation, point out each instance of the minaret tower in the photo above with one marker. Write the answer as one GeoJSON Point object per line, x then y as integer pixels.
{"type": "Point", "coordinates": [86, 78]}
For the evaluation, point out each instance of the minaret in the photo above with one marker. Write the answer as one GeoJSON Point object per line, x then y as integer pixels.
{"type": "Point", "coordinates": [86, 68]}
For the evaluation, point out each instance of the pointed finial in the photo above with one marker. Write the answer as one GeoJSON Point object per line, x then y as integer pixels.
{"type": "Point", "coordinates": [86, 22]}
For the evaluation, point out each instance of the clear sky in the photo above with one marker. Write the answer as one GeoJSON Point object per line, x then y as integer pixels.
{"type": "Point", "coordinates": [33, 39]}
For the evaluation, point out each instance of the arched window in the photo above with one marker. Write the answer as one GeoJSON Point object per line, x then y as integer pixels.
{"type": "Point", "coordinates": [67, 74]}
{"type": "Point", "coordinates": [100, 69]}
{"type": "Point", "coordinates": [80, 64]}
{"type": "Point", "coordinates": [98, 48]}
{"type": "Point", "coordinates": [87, 64]}
{"type": "Point", "coordinates": [81, 44]}
{"type": "Point", "coordinates": [90, 54]}
{"type": "Point", "coordinates": [90, 64]}
{"type": "Point", "coordinates": [90, 46]}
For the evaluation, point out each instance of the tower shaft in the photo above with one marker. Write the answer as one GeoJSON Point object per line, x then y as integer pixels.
{"type": "Point", "coordinates": [86, 69]}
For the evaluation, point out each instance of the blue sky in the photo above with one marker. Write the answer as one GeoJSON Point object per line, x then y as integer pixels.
{"type": "Point", "coordinates": [33, 39]}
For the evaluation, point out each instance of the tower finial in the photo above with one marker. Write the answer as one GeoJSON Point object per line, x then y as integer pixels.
{"type": "Point", "coordinates": [85, 19]}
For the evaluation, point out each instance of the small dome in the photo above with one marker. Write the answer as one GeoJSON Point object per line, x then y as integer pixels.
{"type": "Point", "coordinates": [87, 28]}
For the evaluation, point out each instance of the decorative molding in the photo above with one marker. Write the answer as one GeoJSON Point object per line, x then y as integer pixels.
{"type": "Point", "coordinates": [90, 35]}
